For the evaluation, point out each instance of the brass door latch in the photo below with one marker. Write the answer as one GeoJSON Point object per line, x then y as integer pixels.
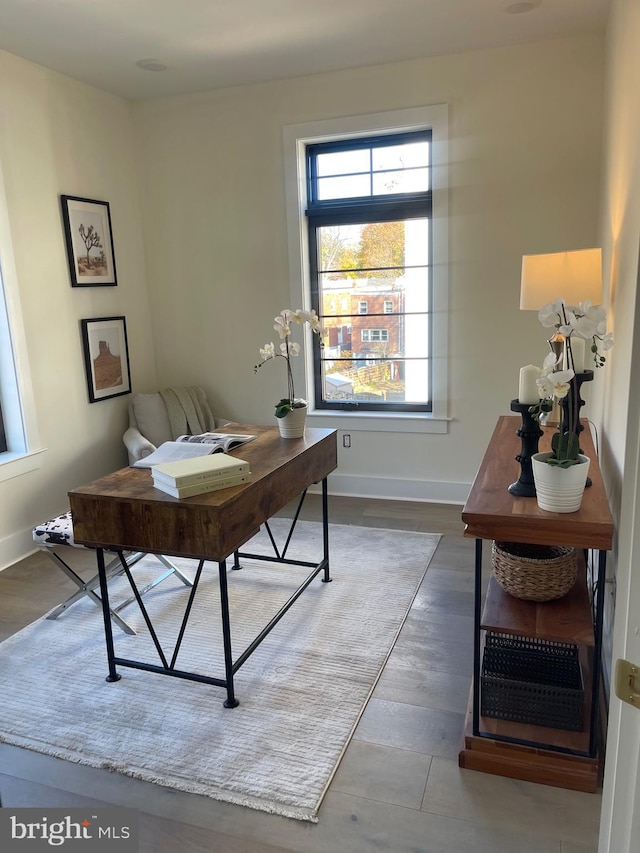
{"type": "Point", "coordinates": [627, 682]}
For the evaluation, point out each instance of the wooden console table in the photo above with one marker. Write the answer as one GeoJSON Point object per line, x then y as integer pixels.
{"type": "Point", "coordinates": [123, 511]}
{"type": "Point", "coordinates": [537, 753]}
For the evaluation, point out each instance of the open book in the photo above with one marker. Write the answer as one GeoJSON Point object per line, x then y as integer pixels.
{"type": "Point", "coordinates": [221, 441]}
{"type": "Point", "coordinates": [188, 446]}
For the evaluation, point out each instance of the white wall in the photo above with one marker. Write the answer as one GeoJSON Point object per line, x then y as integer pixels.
{"type": "Point", "coordinates": [620, 240]}
{"type": "Point", "coordinates": [525, 146]}
{"type": "Point", "coordinates": [62, 137]}
{"type": "Point", "coordinates": [525, 155]}
{"type": "Point", "coordinates": [620, 410]}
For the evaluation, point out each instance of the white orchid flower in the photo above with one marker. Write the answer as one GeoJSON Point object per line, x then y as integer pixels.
{"type": "Point", "coordinates": [551, 314]}
{"type": "Point", "coordinates": [289, 348]}
{"type": "Point", "coordinates": [281, 324]}
{"type": "Point", "coordinates": [309, 317]}
{"type": "Point", "coordinates": [596, 313]}
{"type": "Point", "coordinates": [549, 363]}
{"type": "Point", "coordinates": [607, 341]}
{"type": "Point", "coordinates": [584, 320]}
{"type": "Point", "coordinates": [585, 328]}
{"type": "Point", "coordinates": [267, 351]}
{"type": "Point", "coordinates": [555, 384]}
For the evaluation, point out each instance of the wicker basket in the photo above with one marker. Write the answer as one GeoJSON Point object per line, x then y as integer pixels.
{"type": "Point", "coordinates": [534, 572]}
{"type": "Point", "coordinates": [531, 681]}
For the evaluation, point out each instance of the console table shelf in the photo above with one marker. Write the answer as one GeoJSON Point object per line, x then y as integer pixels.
{"type": "Point", "coordinates": [566, 620]}
{"type": "Point", "coordinates": [530, 752]}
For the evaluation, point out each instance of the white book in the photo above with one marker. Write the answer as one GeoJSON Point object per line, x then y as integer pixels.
{"type": "Point", "coordinates": [187, 472]}
{"type": "Point", "coordinates": [202, 488]}
{"type": "Point", "coordinates": [183, 472]}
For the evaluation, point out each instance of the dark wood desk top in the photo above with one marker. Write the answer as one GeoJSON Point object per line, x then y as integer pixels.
{"type": "Point", "coordinates": [492, 512]}
{"type": "Point", "coordinates": [124, 511]}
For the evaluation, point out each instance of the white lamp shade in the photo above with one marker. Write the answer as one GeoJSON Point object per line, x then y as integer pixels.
{"type": "Point", "coordinates": [572, 276]}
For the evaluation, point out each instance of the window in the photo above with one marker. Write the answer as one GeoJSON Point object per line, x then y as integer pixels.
{"type": "Point", "coordinates": [369, 214]}
{"type": "Point", "coordinates": [18, 433]}
{"type": "Point", "coordinates": [3, 435]}
{"type": "Point", "coordinates": [367, 222]}
{"type": "Point", "coordinates": [373, 335]}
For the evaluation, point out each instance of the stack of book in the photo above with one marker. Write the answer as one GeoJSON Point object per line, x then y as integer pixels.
{"type": "Point", "coordinates": [187, 477]}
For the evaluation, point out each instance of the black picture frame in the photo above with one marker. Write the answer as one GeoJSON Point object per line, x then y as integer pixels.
{"type": "Point", "coordinates": [106, 357]}
{"type": "Point", "coordinates": [89, 239]}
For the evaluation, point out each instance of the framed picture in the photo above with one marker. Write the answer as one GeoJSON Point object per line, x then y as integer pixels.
{"type": "Point", "coordinates": [106, 357]}
{"type": "Point", "coordinates": [87, 229]}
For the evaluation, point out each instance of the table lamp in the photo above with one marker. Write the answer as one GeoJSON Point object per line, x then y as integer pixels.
{"type": "Point", "coordinates": [572, 276]}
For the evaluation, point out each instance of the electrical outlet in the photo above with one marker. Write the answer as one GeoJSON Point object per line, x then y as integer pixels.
{"type": "Point", "coordinates": [346, 439]}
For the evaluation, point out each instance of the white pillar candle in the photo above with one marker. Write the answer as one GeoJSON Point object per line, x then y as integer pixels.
{"type": "Point", "coordinates": [578, 351]}
{"type": "Point", "coordinates": [528, 390]}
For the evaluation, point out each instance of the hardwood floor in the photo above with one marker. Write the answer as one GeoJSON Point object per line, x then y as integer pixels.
{"type": "Point", "coordinates": [398, 787]}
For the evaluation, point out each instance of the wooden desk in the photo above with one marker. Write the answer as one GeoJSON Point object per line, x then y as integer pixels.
{"type": "Point", "coordinates": [123, 511]}
{"type": "Point", "coordinates": [536, 753]}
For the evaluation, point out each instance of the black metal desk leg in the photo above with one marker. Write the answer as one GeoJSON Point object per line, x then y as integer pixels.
{"type": "Point", "coordinates": [597, 653]}
{"type": "Point", "coordinates": [231, 701]}
{"type": "Point", "coordinates": [326, 578]}
{"type": "Point", "coordinates": [476, 639]}
{"type": "Point", "coordinates": [106, 614]}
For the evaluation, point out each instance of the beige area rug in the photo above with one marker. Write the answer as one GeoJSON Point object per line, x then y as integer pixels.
{"type": "Point", "coordinates": [301, 693]}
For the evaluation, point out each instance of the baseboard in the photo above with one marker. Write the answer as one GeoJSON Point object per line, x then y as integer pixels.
{"type": "Point", "coordinates": [16, 547]}
{"type": "Point", "coordinates": [391, 489]}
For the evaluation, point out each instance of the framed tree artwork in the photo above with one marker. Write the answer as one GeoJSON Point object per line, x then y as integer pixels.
{"type": "Point", "coordinates": [106, 357]}
{"type": "Point", "coordinates": [87, 228]}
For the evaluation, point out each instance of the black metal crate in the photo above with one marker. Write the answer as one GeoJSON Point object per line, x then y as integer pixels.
{"type": "Point", "coordinates": [531, 681]}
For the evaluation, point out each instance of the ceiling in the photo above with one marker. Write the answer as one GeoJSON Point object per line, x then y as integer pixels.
{"type": "Point", "coordinates": [208, 44]}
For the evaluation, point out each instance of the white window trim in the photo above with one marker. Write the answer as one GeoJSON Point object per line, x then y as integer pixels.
{"type": "Point", "coordinates": [296, 138]}
{"type": "Point", "coordinates": [379, 340]}
{"type": "Point", "coordinates": [19, 411]}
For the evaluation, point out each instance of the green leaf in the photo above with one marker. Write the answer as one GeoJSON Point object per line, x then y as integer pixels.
{"type": "Point", "coordinates": [283, 407]}
{"type": "Point", "coordinates": [565, 447]}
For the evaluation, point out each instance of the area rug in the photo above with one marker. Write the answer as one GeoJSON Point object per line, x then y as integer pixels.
{"type": "Point", "coordinates": [301, 693]}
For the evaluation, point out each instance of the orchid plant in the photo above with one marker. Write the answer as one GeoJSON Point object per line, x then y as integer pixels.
{"type": "Point", "coordinates": [289, 349]}
{"type": "Point", "coordinates": [585, 321]}
{"type": "Point", "coordinates": [582, 321]}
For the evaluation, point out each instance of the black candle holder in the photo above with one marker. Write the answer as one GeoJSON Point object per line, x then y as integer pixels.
{"type": "Point", "coordinates": [573, 402]}
{"type": "Point", "coordinates": [529, 433]}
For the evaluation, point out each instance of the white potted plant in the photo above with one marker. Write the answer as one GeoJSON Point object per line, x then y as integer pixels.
{"type": "Point", "coordinates": [290, 411]}
{"type": "Point", "coordinates": [561, 473]}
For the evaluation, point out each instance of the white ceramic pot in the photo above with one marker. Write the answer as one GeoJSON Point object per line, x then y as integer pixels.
{"type": "Point", "coordinates": [293, 423]}
{"type": "Point", "coordinates": [559, 489]}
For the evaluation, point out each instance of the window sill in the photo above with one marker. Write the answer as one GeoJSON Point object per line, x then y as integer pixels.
{"type": "Point", "coordinates": [377, 422]}
{"type": "Point", "coordinates": [16, 464]}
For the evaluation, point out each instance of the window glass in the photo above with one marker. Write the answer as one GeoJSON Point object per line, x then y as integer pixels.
{"type": "Point", "coordinates": [372, 257]}
{"type": "Point", "coordinates": [343, 162]}
{"type": "Point", "coordinates": [407, 156]}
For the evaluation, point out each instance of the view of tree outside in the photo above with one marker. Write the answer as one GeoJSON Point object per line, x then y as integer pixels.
{"type": "Point", "coordinates": [363, 267]}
